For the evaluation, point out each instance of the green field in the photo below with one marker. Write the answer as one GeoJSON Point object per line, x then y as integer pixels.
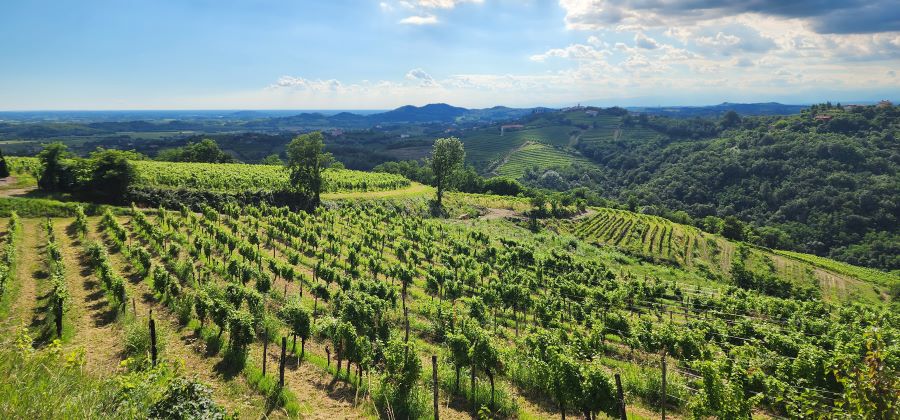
{"type": "Point", "coordinates": [537, 155]}
{"type": "Point", "coordinates": [238, 176]}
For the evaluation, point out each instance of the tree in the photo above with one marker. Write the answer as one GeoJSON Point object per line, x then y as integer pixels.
{"type": "Point", "coordinates": [206, 150]}
{"type": "Point", "coordinates": [272, 159]}
{"type": "Point", "coordinates": [731, 119]}
{"type": "Point", "coordinates": [110, 176]}
{"type": "Point", "coordinates": [306, 162]}
{"type": "Point", "coordinates": [55, 174]}
{"type": "Point", "coordinates": [4, 169]}
{"type": "Point", "coordinates": [733, 228]}
{"type": "Point", "coordinates": [446, 158]}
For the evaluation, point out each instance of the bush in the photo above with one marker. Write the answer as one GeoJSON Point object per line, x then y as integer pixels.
{"type": "Point", "coordinates": [187, 399]}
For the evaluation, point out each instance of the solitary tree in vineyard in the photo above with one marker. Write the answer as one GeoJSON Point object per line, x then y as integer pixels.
{"type": "Point", "coordinates": [446, 158]}
{"type": "Point", "coordinates": [306, 161]}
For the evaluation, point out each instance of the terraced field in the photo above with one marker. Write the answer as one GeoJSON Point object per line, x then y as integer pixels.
{"type": "Point", "coordinates": [661, 240]}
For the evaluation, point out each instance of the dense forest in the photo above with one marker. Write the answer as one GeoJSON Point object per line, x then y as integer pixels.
{"type": "Point", "coordinates": [824, 181]}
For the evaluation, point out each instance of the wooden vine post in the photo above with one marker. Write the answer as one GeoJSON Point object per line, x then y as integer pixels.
{"type": "Point", "coordinates": [281, 367]}
{"type": "Point", "coordinates": [663, 386]}
{"type": "Point", "coordinates": [621, 397]}
{"type": "Point", "coordinates": [265, 354]}
{"type": "Point", "coordinates": [152, 338]}
{"type": "Point", "coordinates": [434, 384]}
{"type": "Point", "coordinates": [59, 316]}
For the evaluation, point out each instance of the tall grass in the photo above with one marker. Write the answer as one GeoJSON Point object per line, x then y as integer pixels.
{"type": "Point", "coordinates": [49, 385]}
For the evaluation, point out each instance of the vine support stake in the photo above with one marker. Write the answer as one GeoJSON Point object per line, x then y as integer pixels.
{"type": "Point", "coordinates": [621, 397]}
{"type": "Point", "coordinates": [59, 316]}
{"type": "Point", "coordinates": [265, 354]}
{"type": "Point", "coordinates": [663, 404]}
{"type": "Point", "coordinates": [153, 340]}
{"type": "Point", "coordinates": [434, 383]}
{"type": "Point", "coordinates": [281, 367]}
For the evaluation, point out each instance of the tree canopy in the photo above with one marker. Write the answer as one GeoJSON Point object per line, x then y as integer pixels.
{"type": "Point", "coordinates": [446, 159]}
{"type": "Point", "coordinates": [206, 150]}
{"type": "Point", "coordinates": [306, 162]}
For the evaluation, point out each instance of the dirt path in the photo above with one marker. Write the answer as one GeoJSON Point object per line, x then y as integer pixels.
{"type": "Point", "coordinates": [28, 267]}
{"type": "Point", "coordinates": [94, 321]}
{"type": "Point", "coordinates": [492, 213]}
{"type": "Point", "coordinates": [8, 187]}
{"type": "Point", "coordinates": [319, 393]}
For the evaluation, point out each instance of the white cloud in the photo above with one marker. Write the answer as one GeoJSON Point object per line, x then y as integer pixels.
{"type": "Point", "coordinates": [299, 83]}
{"type": "Point", "coordinates": [719, 40]}
{"type": "Point", "coordinates": [419, 20]}
{"type": "Point", "coordinates": [579, 52]}
{"type": "Point", "coordinates": [443, 4]}
{"type": "Point", "coordinates": [421, 78]}
{"type": "Point", "coordinates": [644, 41]}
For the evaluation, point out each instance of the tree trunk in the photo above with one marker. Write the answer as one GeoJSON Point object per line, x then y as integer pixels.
{"type": "Point", "coordinates": [458, 368]}
{"type": "Point", "coordinates": [302, 349]}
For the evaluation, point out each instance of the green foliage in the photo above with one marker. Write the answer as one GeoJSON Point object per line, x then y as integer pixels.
{"type": "Point", "coordinates": [186, 399]}
{"type": "Point", "coordinates": [56, 174]}
{"type": "Point", "coordinates": [873, 383]}
{"type": "Point", "coordinates": [241, 330]}
{"type": "Point", "coordinates": [446, 158]}
{"type": "Point", "coordinates": [306, 163]}
{"type": "Point", "coordinates": [136, 341]}
{"type": "Point", "coordinates": [298, 319]}
{"type": "Point", "coordinates": [4, 168]}
{"type": "Point", "coordinates": [206, 151]}
{"type": "Point", "coordinates": [109, 175]}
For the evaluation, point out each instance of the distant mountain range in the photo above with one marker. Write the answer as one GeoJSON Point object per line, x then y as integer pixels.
{"type": "Point", "coordinates": [408, 114]}
{"type": "Point", "coordinates": [762, 108]}
{"type": "Point", "coordinates": [267, 120]}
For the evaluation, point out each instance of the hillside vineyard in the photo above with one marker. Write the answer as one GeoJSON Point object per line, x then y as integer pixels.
{"type": "Point", "coordinates": [377, 278]}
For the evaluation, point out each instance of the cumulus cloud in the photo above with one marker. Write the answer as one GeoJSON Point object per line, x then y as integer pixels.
{"type": "Point", "coordinates": [579, 52]}
{"type": "Point", "coordinates": [421, 78]}
{"type": "Point", "coordinates": [644, 41]}
{"type": "Point", "coordinates": [299, 83]}
{"type": "Point", "coordinates": [419, 20]}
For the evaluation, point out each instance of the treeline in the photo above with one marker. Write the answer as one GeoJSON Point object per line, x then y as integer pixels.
{"type": "Point", "coordinates": [104, 176]}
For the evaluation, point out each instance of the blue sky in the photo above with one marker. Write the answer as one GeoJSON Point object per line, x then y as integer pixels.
{"type": "Point", "coordinates": [295, 54]}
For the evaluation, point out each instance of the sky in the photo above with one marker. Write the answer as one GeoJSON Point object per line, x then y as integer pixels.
{"type": "Point", "coordinates": [341, 54]}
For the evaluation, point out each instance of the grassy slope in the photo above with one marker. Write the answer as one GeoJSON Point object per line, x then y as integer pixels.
{"type": "Point", "coordinates": [538, 155]}
{"type": "Point", "coordinates": [544, 142]}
